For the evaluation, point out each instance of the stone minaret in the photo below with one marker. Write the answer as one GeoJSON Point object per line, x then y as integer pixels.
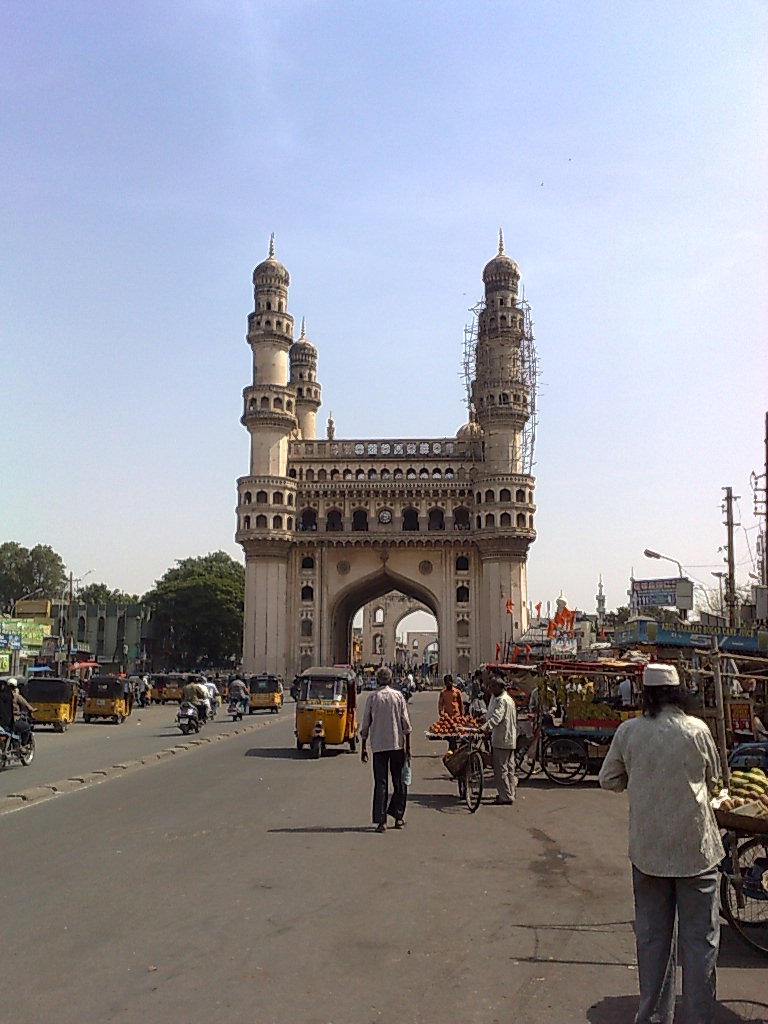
{"type": "Point", "coordinates": [303, 355]}
{"type": "Point", "coordinates": [266, 507]}
{"type": "Point", "coordinates": [504, 498]}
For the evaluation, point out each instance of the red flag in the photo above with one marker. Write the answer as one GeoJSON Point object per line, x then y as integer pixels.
{"type": "Point", "coordinates": [551, 628]}
{"type": "Point", "coordinates": [515, 653]}
{"type": "Point", "coordinates": [498, 651]}
{"type": "Point", "coordinates": [538, 609]}
{"type": "Point", "coordinates": [510, 605]}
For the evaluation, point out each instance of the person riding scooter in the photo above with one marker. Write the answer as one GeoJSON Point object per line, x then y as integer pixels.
{"type": "Point", "coordinates": [238, 694]}
{"type": "Point", "coordinates": [197, 694]}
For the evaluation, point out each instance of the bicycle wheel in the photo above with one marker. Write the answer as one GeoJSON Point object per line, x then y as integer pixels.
{"type": "Point", "coordinates": [473, 774]}
{"type": "Point", "coordinates": [523, 765]}
{"type": "Point", "coordinates": [564, 761]}
{"type": "Point", "coordinates": [749, 922]}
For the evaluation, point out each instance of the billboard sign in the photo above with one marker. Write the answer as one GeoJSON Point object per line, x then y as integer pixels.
{"type": "Point", "coordinates": [668, 593]}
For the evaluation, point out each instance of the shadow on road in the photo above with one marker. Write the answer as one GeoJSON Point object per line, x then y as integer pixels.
{"type": "Point", "coordinates": [312, 829]}
{"type": "Point", "coordinates": [621, 1010]}
{"type": "Point", "coordinates": [445, 802]}
{"type": "Point", "coordinates": [285, 753]}
{"type": "Point", "coordinates": [735, 953]}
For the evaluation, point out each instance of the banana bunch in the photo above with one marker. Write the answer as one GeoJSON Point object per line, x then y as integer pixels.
{"type": "Point", "coordinates": [752, 783]}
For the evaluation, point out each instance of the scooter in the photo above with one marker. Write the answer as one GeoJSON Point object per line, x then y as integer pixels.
{"type": "Point", "coordinates": [236, 710]}
{"type": "Point", "coordinates": [187, 718]}
{"type": "Point", "coordinates": [11, 748]}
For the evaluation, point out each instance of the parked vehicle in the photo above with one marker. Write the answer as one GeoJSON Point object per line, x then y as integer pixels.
{"type": "Point", "coordinates": [167, 687]}
{"type": "Point", "coordinates": [187, 718]}
{"type": "Point", "coordinates": [11, 749]}
{"type": "Point", "coordinates": [55, 700]}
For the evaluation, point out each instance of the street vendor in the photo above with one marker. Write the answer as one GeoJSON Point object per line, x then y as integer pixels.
{"type": "Point", "coordinates": [449, 702]}
{"type": "Point", "coordinates": [668, 763]}
{"type": "Point", "coordinates": [501, 724]}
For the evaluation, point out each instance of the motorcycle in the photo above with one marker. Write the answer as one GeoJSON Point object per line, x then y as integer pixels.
{"type": "Point", "coordinates": [12, 750]}
{"type": "Point", "coordinates": [187, 718]}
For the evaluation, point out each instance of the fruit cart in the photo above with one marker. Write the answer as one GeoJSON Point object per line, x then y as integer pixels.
{"type": "Point", "coordinates": [576, 714]}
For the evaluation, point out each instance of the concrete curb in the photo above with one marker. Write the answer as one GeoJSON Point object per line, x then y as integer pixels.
{"type": "Point", "coordinates": [49, 790]}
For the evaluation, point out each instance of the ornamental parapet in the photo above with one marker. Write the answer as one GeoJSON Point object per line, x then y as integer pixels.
{"type": "Point", "coordinates": [395, 449]}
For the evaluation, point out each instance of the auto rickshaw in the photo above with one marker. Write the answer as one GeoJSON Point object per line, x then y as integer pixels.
{"type": "Point", "coordinates": [266, 693]}
{"type": "Point", "coordinates": [107, 699]}
{"type": "Point", "coordinates": [54, 700]}
{"type": "Point", "coordinates": [325, 709]}
{"type": "Point", "coordinates": [167, 687]}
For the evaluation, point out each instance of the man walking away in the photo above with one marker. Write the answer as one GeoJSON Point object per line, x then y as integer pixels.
{"type": "Point", "coordinates": [668, 763]}
{"type": "Point", "coordinates": [501, 723]}
{"type": "Point", "coordinates": [386, 723]}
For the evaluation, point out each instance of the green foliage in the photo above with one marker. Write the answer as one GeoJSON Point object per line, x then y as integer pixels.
{"type": "Point", "coordinates": [24, 572]}
{"type": "Point", "coordinates": [99, 593]}
{"type": "Point", "coordinates": [198, 606]}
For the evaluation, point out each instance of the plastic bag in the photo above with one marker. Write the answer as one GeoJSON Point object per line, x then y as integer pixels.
{"type": "Point", "coordinates": [407, 775]}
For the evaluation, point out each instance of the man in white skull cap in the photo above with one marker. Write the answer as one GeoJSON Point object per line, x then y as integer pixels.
{"type": "Point", "coordinates": [668, 763]}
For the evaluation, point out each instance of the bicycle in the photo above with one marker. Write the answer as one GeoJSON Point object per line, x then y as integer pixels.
{"type": "Point", "coordinates": [744, 888]}
{"type": "Point", "coordinates": [563, 759]}
{"type": "Point", "coordinates": [470, 775]}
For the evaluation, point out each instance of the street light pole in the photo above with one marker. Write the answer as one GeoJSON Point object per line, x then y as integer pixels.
{"type": "Point", "coordinates": [682, 612]}
{"type": "Point", "coordinates": [720, 577]}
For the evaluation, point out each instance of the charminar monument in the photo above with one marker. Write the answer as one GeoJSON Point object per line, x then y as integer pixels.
{"type": "Point", "coordinates": [331, 523]}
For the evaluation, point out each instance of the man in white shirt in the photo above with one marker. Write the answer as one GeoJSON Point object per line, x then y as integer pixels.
{"type": "Point", "coordinates": [501, 723]}
{"type": "Point", "coordinates": [387, 725]}
{"type": "Point", "coordinates": [626, 692]}
{"type": "Point", "coordinates": [668, 763]}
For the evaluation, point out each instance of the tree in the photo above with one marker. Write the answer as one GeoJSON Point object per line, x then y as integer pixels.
{"type": "Point", "coordinates": [198, 608]}
{"type": "Point", "coordinates": [39, 571]}
{"type": "Point", "coordinates": [99, 593]}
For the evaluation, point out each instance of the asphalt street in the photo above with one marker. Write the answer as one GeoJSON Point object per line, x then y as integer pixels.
{"type": "Point", "coordinates": [240, 882]}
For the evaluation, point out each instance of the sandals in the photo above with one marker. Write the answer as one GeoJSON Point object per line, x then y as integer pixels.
{"type": "Point", "coordinates": [400, 823]}
{"type": "Point", "coordinates": [381, 828]}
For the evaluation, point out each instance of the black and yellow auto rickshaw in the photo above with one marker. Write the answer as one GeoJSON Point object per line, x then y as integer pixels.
{"type": "Point", "coordinates": [166, 687]}
{"type": "Point", "coordinates": [265, 693]}
{"type": "Point", "coordinates": [326, 709]}
{"type": "Point", "coordinates": [54, 700]}
{"type": "Point", "coordinates": [107, 698]}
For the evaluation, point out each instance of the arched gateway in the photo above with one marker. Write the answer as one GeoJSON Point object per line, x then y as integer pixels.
{"type": "Point", "coordinates": [328, 525]}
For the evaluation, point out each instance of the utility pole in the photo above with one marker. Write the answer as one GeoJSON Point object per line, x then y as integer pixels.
{"type": "Point", "coordinates": [730, 589]}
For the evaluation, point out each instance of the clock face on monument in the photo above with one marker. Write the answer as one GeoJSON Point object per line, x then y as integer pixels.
{"type": "Point", "coordinates": [385, 516]}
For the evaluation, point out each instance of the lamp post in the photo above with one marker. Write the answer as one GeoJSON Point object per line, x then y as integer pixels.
{"type": "Point", "coordinates": [70, 638]}
{"type": "Point", "coordinates": [665, 558]}
{"type": "Point", "coordinates": [720, 576]}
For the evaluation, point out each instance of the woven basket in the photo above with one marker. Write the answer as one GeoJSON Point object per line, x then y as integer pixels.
{"type": "Point", "coordinates": [746, 823]}
{"type": "Point", "coordinates": [456, 760]}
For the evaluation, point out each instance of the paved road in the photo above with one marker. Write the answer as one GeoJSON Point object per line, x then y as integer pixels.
{"type": "Point", "coordinates": [240, 883]}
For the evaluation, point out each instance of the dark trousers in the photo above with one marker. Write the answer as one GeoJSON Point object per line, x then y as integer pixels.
{"type": "Point", "coordinates": [385, 763]}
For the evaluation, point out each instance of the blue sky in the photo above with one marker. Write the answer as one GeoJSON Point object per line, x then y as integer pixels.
{"type": "Point", "coordinates": [151, 149]}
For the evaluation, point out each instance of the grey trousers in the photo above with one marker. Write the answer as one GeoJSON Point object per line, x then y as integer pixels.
{"type": "Point", "coordinates": [694, 902]}
{"type": "Point", "coordinates": [504, 772]}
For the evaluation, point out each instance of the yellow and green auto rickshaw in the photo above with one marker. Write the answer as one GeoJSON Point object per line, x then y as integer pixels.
{"type": "Point", "coordinates": [107, 698]}
{"type": "Point", "coordinates": [54, 700]}
{"type": "Point", "coordinates": [326, 709]}
{"type": "Point", "coordinates": [265, 693]}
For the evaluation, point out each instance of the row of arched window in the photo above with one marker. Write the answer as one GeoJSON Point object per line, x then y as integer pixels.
{"type": "Point", "coordinates": [504, 399]}
{"type": "Point", "coordinates": [373, 474]}
{"type": "Point", "coordinates": [262, 498]}
{"type": "Point", "coordinates": [279, 326]}
{"type": "Point", "coordinates": [411, 521]}
{"type": "Point", "coordinates": [308, 595]}
{"type": "Point", "coordinates": [276, 404]}
{"type": "Point", "coordinates": [504, 495]}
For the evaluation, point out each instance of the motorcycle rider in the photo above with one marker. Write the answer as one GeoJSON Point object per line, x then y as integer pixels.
{"type": "Point", "coordinates": [238, 694]}
{"type": "Point", "coordinates": [197, 694]}
{"type": "Point", "coordinates": [213, 695]}
{"type": "Point", "coordinates": [21, 708]}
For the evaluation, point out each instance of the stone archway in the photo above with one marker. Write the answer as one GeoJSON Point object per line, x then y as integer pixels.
{"type": "Point", "coordinates": [369, 588]}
